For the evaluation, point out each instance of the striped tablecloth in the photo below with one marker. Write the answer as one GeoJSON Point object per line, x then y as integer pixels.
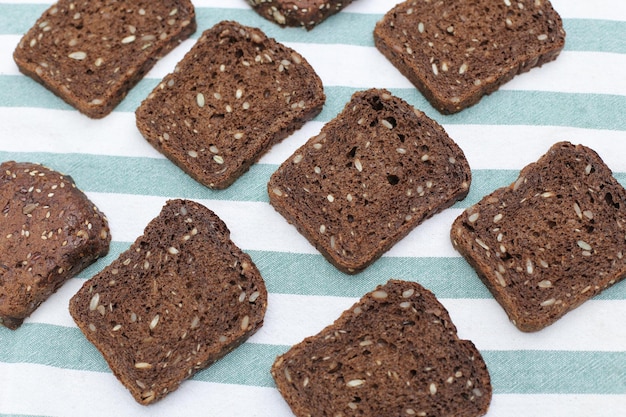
{"type": "Point", "coordinates": [577, 367]}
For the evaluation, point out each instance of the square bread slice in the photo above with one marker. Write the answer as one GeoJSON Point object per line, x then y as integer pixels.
{"type": "Point", "coordinates": [394, 353]}
{"type": "Point", "coordinates": [455, 52]}
{"type": "Point", "coordinates": [91, 53]}
{"type": "Point", "coordinates": [181, 297]}
{"type": "Point", "coordinates": [551, 240]}
{"type": "Point", "coordinates": [373, 174]}
{"type": "Point", "coordinates": [49, 232]}
{"type": "Point", "coordinates": [304, 13]}
{"type": "Point", "coordinates": [234, 94]}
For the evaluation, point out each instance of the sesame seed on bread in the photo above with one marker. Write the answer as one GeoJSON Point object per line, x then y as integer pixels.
{"type": "Point", "coordinates": [181, 297]}
{"type": "Point", "coordinates": [234, 94]}
{"type": "Point", "coordinates": [455, 52]}
{"type": "Point", "coordinates": [92, 53]}
{"type": "Point", "coordinates": [373, 174]}
{"type": "Point", "coordinates": [49, 231]}
{"type": "Point", "coordinates": [304, 13]}
{"type": "Point", "coordinates": [551, 240]}
{"type": "Point", "coordinates": [394, 353]}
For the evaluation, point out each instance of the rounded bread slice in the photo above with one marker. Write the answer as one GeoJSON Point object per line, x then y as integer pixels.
{"type": "Point", "coordinates": [393, 353]}
{"type": "Point", "coordinates": [181, 297]}
{"type": "Point", "coordinates": [49, 231]}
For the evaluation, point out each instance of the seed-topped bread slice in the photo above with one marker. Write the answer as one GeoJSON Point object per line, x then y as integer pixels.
{"type": "Point", "coordinates": [92, 53]}
{"type": "Point", "coordinates": [234, 95]}
{"type": "Point", "coordinates": [455, 52]}
{"type": "Point", "coordinates": [49, 232]}
{"type": "Point", "coordinates": [551, 240]}
{"type": "Point", "coordinates": [394, 353]}
{"type": "Point", "coordinates": [305, 13]}
{"type": "Point", "coordinates": [371, 176]}
{"type": "Point", "coordinates": [181, 297]}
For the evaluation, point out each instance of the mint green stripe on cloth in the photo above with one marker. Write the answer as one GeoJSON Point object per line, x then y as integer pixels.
{"type": "Point", "coordinates": [523, 372]}
{"type": "Point", "coordinates": [312, 274]}
{"type": "Point", "coordinates": [556, 372]}
{"type": "Point", "coordinates": [140, 179]}
{"type": "Point", "coordinates": [347, 28]}
{"type": "Point", "coordinates": [501, 107]}
{"type": "Point", "coordinates": [133, 175]}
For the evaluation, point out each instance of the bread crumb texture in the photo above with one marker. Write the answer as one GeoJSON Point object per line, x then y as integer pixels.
{"type": "Point", "coordinates": [181, 297]}
{"type": "Point", "coordinates": [551, 240]}
{"type": "Point", "coordinates": [234, 94]}
{"type": "Point", "coordinates": [91, 53]}
{"type": "Point", "coordinates": [455, 52]}
{"type": "Point", "coordinates": [370, 176]}
{"type": "Point", "coordinates": [393, 353]}
{"type": "Point", "coordinates": [49, 232]}
{"type": "Point", "coordinates": [299, 13]}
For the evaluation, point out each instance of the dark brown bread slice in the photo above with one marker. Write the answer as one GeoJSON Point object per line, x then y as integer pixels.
{"type": "Point", "coordinates": [455, 52]}
{"type": "Point", "coordinates": [49, 232]}
{"type": "Point", "coordinates": [551, 240]}
{"type": "Point", "coordinates": [181, 297]}
{"type": "Point", "coordinates": [234, 95]}
{"type": "Point", "coordinates": [305, 13]}
{"type": "Point", "coordinates": [373, 174]}
{"type": "Point", "coordinates": [91, 53]}
{"type": "Point", "coordinates": [394, 353]}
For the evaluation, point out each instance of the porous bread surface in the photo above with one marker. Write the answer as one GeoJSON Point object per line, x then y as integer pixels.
{"type": "Point", "coordinates": [457, 51]}
{"type": "Point", "coordinates": [91, 53]}
{"type": "Point", "coordinates": [305, 13]}
{"type": "Point", "coordinates": [49, 232]}
{"type": "Point", "coordinates": [234, 94]}
{"type": "Point", "coordinates": [181, 297]}
{"type": "Point", "coordinates": [394, 353]}
{"type": "Point", "coordinates": [371, 176]}
{"type": "Point", "coordinates": [551, 240]}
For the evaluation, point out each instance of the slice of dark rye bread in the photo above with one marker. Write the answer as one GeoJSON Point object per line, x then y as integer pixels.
{"type": "Point", "coordinates": [394, 353]}
{"type": "Point", "coordinates": [91, 53]}
{"type": "Point", "coordinates": [305, 13]}
{"type": "Point", "coordinates": [234, 95]}
{"type": "Point", "coordinates": [455, 52]}
{"type": "Point", "coordinates": [181, 297]}
{"type": "Point", "coordinates": [373, 174]}
{"type": "Point", "coordinates": [49, 232]}
{"type": "Point", "coordinates": [551, 240]}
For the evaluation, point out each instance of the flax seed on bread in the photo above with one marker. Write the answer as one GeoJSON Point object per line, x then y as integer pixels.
{"type": "Point", "coordinates": [49, 232]}
{"type": "Point", "coordinates": [92, 53]}
{"type": "Point", "coordinates": [181, 297]}
{"type": "Point", "coordinates": [234, 95]}
{"type": "Point", "coordinates": [394, 353]}
{"type": "Point", "coordinates": [305, 13]}
{"type": "Point", "coordinates": [373, 174]}
{"type": "Point", "coordinates": [551, 240]}
{"type": "Point", "coordinates": [455, 52]}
